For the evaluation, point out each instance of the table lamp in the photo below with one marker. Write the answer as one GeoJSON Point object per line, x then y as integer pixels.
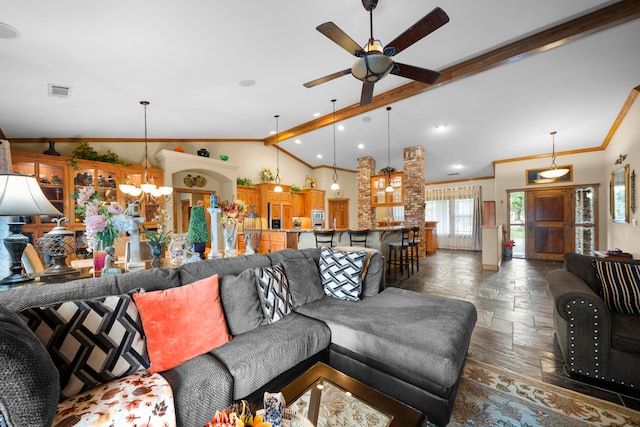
{"type": "Point", "coordinates": [20, 195]}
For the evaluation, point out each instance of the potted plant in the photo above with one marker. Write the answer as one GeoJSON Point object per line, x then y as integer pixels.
{"type": "Point", "coordinates": [198, 233]}
{"type": "Point", "coordinates": [266, 175]}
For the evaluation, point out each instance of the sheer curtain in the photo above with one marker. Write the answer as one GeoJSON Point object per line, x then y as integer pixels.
{"type": "Point", "coordinates": [458, 212]}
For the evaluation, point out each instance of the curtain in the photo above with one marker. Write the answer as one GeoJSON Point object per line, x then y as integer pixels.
{"type": "Point", "coordinates": [458, 212]}
{"type": "Point", "coordinates": [5, 167]}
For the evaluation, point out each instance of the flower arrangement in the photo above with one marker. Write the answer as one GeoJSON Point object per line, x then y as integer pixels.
{"type": "Point", "coordinates": [162, 235]}
{"type": "Point", "coordinates": [510, 244]}
{"type": "Point", "coordinates": [266, 175]}
{"type": "Point", "coordinates": [233, 211]}
{"type": "Point", "coordinates": [310, 182]}
{"type": "Point", "coordinates": [242, 414]}
{"type": "Point", "coordinates": [103, 222]}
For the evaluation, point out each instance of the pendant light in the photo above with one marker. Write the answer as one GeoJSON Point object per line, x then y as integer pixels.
{"type": "Point", "coordinates": [554, 171]}
{"type": "Point", "coordinates": [146, 187]}
{"type": "Point", "coordinates": [278, 188]}
{"type": "Point", "coordinates": [335, 185]}
{"type": "Point", "coordinates": [389, 188]}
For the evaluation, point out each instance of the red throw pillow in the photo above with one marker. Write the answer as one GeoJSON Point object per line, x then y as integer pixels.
{"type": "Point", "coordinates": [182, 323]}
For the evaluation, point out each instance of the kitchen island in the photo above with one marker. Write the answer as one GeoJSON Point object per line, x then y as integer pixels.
{"type": "Point", "coordinates": [378, 238]}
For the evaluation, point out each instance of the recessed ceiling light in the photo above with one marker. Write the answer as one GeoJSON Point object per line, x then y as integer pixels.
{"type": "Point", "coordinates": [361, 146]}
{"type": "Point", "coordinates": [316, 114]}
{"type": "Point", "coordinates": [441, 128]}
{"type": "Point", "coordinates": [366, 119]}
{"type": "Point", "coordinates": [8, 32]}
{"type": "Point", "coordinates": [340, 127]}
{"type": "Point", "coordinates": [319, 156]}
{"type": "Point", "coordinates": [273, 132]}
{"type": "Point", "coordinates": [297, 141]}
{"type": "Point", "coordinates": [247, 82]}
{"type": "Point", "coordinates": [458, 166]}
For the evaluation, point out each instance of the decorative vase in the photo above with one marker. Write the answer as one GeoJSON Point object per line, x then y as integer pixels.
{"type": "Point", "coordinates": [508, 253]}
{"type": "Point", "coordinates": [230, 237]}
{"type": "Point", "coordinates": [274, 406]}
{"type": "Point", "coordinates": [203, 152]}
{"type": "Point", "coordinates": [51, 151]}
{"type": "Point", "coordinates": [176, 249]}
{"type": "Point", "coordinates": [134, 262]}
{"type": "Point", "coordinates": [156, 250]}
{"type": "Point", "coordinates": [100, 254]}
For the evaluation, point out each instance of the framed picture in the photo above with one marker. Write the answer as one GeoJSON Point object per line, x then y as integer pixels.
{"type": "Point", "coordinates": [534, 178]}
{"type": "Point", "coordinates": [339, 193]}
{"type": "Point", "coordinates": [620, 194]}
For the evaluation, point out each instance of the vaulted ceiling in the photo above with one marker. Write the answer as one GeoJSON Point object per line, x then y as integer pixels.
{"type": "Point", "coordinates": [512, 72]}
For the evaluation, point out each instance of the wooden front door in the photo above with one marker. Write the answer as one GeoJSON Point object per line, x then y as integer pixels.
{"type": "Point", "coordinates": [339, 209]}
{"type": "Point", "coordinates": [550, 218]}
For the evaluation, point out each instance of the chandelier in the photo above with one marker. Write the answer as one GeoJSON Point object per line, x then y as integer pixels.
{"type": "Point", "coordinates": [146, 187]}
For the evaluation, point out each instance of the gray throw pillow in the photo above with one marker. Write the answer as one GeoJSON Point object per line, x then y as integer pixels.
{"type": "Point", "coordinates": [305, 284]}
{"type": "Point", "coordinates": [29, 383]}
{"type": "Point", "coordinates": [240, 302]}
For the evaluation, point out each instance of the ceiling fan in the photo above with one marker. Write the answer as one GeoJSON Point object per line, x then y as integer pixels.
{"type": "Point", "coordinates": [373, 61]}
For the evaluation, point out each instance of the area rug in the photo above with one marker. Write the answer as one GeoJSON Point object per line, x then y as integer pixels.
{"type": "Point", "coordinates": [490, 396]}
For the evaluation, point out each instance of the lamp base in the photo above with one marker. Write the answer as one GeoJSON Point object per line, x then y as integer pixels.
{"type": "Point", "coordinates": [15, 244]}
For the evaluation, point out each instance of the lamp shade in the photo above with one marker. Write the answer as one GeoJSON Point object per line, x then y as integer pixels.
{"type": "Point", "coordinates": [554, 172]}
{"type": "Point", "coordinates": [21, 195]}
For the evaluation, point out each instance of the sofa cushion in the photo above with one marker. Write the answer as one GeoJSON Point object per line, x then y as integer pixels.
{"type": "Point", "coordinates": [29, 383]}
{"type": "Point", "coordinates": [139, 396]}
{"type": "Point", "coordinates": [182, 323]}
{"type": "Point", "coordinates": [620, 286]}
{"type": "Point", "coordinates": [195, 271]}
{"type": "Point", "coordinates": [625, 333]}
{"type": "Point", "coordinates": [90, 341]}
{"type": "Point", "coordinates": [273, 290]}
{"type": "Point", "coordinates": [304, 280]}
{"type": "Point", "coordinates": [341, 273]}
{"type": "Point", "coordinates": [431, 349]}
{"type": "Point", "coordinates": [258, 356]}
{"type": "Point", "coordinates": [240, 302]}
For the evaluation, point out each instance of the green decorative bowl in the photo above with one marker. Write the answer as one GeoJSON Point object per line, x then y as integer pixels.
{"type": "Point", "coordinates": [224, 158]}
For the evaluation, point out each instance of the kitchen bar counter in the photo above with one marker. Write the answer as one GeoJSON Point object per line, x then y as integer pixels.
{"type": "Point", "coordinates": [378, 238]}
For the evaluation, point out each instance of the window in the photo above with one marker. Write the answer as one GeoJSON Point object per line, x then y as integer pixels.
{"type": "Point", "coordinates": [454, 216]}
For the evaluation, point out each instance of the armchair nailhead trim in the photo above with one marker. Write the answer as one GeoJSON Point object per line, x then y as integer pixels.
{"type": "Point", "coordinates": [596, 334]}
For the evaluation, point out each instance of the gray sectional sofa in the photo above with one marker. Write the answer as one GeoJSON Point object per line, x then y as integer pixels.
{"type": "Point", "coordinates": [409, 346]}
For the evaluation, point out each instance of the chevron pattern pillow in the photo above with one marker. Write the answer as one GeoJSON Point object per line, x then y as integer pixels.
{"type": "Point", "coordinates": [273, 289]}
{"type": "Point", "coordinates": [91, 342]}
{"type": "Point", "coordinates": [620, 286]}
{"type": "Point", "coordinates": [340, 272]}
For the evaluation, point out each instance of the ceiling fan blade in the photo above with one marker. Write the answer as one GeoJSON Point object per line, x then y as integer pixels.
{"type": "Point", "coordinates": [367, 93]}
{"type": "Point", "coordinates": [325, 79]}
{"type": "Point", "coordinates": [415, 73]}
{"type": "Point", "coordinates": [428, 24]}
{"type": "Point", "coordinates": [340, 38]}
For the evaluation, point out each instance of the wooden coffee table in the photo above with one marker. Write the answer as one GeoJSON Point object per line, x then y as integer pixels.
{"type": "Point", "coordinates": [324, 394]}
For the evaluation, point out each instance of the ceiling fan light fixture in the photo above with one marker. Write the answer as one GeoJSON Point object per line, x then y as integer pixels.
{"type": "Point", "coordinates": [553, 171]}
{"type": "Point", "coordinates": [389, 188]}
{"type": "Point", "coordinates": [374, 46]}
{"type": "Point", "coordinates": [372, 67]}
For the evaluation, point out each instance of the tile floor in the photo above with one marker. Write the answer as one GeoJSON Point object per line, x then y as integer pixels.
{"type": "Point", "coordinates": [515, 324]}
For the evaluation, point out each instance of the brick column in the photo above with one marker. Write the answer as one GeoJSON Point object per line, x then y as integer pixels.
{"type": "Point", "coordinates": [366, 168]}
{"type": "Point", "coordinates": [413, 168]}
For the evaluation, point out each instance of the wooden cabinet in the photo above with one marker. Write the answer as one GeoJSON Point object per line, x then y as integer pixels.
{"type": "Point", "coordinates": [297, 204]}
{"type": "Point", "coordinates": [380, 197]}
{"type": "Point", "coordinates": [249, 195]}
{"type": "Point", "coordinates": [431, 236]}
{"type": "Point", "coordinates": [314, 200]}
{"type": "Point", "coordinates": [268, 195]}
{"type": "Point", "coordinates": [59, 180]}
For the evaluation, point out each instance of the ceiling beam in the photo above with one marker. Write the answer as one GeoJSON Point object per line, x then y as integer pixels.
{"type": "Point", "coordinates": [558, 35]}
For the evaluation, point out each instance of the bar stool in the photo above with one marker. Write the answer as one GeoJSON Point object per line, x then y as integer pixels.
{"type": "Point", "coordinates": [414, 250]}
{"type": "Point", "coordinates": [399, 254]}
{"type": "Point", "coordinates": [358, 237]}
{"type": "Point", "coordinates": [324, 238]}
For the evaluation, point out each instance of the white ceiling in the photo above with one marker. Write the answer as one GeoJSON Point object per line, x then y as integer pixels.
{"type": "Point", "coordinates": [188, 59]}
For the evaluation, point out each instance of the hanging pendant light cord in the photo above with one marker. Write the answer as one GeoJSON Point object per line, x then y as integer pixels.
{"type": "Point", "coordinates": [145, 178]}
{"type": "Point", "coordinates": [277, 180]}
{"type": "Point", "coordinates": [389, 143]}
{"type": "Point", "coordinates": [553, 150]}
{"type": "Point", "coordinates": [335, 173]}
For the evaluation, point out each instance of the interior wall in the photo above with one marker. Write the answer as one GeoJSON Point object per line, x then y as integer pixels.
{"type": "Point", "coordinates": [626, 141]}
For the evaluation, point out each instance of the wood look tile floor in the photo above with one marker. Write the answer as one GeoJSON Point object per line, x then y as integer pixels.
{"type": "Point", "coordinates": [515, 324]}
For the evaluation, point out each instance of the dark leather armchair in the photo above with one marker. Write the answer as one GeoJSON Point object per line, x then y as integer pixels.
{"type": "Point", "coordinates": [594, 341]}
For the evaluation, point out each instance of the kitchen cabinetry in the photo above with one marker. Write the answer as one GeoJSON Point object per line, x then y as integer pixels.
{"type": "Point", "coordinates": [297, 204]}
{"type": "Point", "coordinates": [314, 200]}
{"type": "Point", "coordinates": [249, 195]}
{"type": "Point", "coordinates": [379, 197]}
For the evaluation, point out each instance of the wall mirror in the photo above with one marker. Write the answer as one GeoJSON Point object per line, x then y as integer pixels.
{"type": "Point", "coordinates": [620, 194]}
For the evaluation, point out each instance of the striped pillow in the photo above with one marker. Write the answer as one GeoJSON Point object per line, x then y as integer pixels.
{"type": "Point", "coordinates": [620, 286]}
{"type": "Point", "coordinates": [340, 272]}
{"type": "Point", "coordinates": [273, 290]}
